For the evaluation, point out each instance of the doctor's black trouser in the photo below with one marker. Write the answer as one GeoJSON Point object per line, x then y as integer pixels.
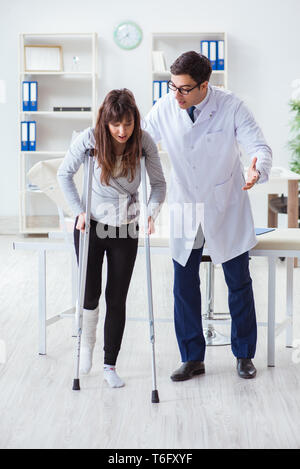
{"type": "Point", "coordinates": [120, 245]}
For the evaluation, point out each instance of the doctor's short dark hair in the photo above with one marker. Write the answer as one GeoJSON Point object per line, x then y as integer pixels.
{"type": "Point", "coordinates": [194, 64]}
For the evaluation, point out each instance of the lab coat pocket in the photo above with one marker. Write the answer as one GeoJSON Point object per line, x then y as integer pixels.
{"type": "Point", "coordinates": [215, 142]}
{"type": "Point", "coordinates": [226, 193]}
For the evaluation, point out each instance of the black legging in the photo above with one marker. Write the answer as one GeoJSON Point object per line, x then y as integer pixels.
{"type": "Point", "coordinates": [120, 245]}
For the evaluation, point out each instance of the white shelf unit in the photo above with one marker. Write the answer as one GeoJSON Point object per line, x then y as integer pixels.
{"type": "Point", "coordinates": [74, 86]}
{"type": "Point", "coordinates": [174, 44]}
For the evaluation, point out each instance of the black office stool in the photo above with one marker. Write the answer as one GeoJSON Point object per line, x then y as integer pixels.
{"type": "Point", "coordinates": [212, 337]}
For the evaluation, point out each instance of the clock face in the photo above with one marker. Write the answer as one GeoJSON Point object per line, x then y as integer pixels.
{"type": "Point", "coordinates": [128, 35]}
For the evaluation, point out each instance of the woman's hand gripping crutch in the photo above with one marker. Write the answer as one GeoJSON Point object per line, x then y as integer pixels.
{"type": "Point", "coordinates": [83, 257]}
{"type": "Point", "coordinates": [147, 228]}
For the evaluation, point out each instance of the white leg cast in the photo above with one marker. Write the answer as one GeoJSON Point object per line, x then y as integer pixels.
{"type": "Point", "coordinates": [88, 338]}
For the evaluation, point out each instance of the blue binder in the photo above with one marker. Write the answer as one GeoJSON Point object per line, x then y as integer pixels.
{"type": "Point", "coordinates": [33, 95]}
{"type": "Point", "coordinates": [156, 91]}
{"type": "Point", "coordinates": [24, 136]}
{"type": "Point", "coordinates": [213, 54]}
{"type": "Point", "coordinates": [205, 48]}
{"type": "Point", "coordinates": [26, 95]}
{"type": "Point", "coordinates": [164, 89]}
{"type": "Point", "coordinates": [220, 55]}
{"type": "Point", "coordinates": [32, 135]}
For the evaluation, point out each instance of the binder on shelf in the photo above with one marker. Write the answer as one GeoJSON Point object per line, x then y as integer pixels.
{"type": "Point", "coordinates": [26, 95]}
{"type": "Point", "coordinates": [205, 48]}
{"type": "Point", "coordinates": [33, 95]}
{"type": "Point", "coordinates": [163, 88]}
{"type": "Point", "coordinates": [24, 136]}
{"type": "Point", "coordinates": [214, 51]}
{"type": "Point", "coordinates": [220, 55]}
{"type": "Point", "coordinates": [213, 54]}
{"type": "Point", "coordinates": [32, 135]}
{"type": "Point", "coordinates": [156, 91]}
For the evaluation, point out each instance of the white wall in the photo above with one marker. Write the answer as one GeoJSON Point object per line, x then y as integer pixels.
{"type": "Point", "coordinates": [263, 41]}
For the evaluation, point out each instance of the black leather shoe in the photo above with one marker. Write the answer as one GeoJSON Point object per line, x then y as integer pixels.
{"type": "Point", "coordinates": [245, 368]}
{"type": "Point", "coordinates": [188, 370]}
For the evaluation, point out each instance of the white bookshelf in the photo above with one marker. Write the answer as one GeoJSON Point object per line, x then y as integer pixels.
{"type": "Point", "coordinates": [74, 86]}
{"type": "Point", "coordinates": [174, 44]}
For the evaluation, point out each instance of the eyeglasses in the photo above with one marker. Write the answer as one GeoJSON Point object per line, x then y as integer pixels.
{"type": "Point", "coordinates": [181, 90]}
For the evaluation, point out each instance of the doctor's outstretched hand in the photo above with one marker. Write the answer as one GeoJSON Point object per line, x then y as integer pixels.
{"type": "Point", "coordinates": [253, 175]}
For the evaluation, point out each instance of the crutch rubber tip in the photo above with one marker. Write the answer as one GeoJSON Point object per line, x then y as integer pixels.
{"type": "Point", "coordinates": [76, 386]}
{"type": "Point", "coordinates": [155, 398]}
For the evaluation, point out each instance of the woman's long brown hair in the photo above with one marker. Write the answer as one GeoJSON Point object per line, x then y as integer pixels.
{"type": "Point", "coordinates": [118, 105]}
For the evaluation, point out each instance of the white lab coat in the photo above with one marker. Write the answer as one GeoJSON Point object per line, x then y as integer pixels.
{"type": "Point", "coordinates": [207, 169]}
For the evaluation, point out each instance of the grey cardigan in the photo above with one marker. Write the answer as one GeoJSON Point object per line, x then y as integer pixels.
{"type": "Point", "coordinates": [111, 204]}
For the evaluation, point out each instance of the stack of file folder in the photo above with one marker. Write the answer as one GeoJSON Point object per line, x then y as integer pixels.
{"type": "Point", "coordinates": [160, 88]}
{"type": "Point", "coordinates": [214, 51]}
{"type": "Point", "coordinates": [28, 135]}
{"type": "Point", "coordinates": [30, 95]}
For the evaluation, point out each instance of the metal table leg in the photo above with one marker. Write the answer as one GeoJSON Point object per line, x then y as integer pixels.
{"type": "Point", "coordinates": [271, 310]}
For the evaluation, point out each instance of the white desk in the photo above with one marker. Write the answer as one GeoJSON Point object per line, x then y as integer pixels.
{"type": "Point", "coordinates": [42, 246]}
{"type": "Point", "coordinates": [279, 243]}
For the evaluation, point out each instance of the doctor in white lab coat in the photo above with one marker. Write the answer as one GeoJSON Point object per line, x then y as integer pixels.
{"type": "Point", "coordinates": [202, 127]}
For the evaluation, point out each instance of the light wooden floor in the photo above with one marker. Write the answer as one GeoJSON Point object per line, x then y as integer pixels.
{"type": "Point", "coordinates": [219, 410]}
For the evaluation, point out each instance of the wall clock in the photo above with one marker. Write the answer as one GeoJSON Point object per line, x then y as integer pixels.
{"type": "Point", "coordinates": [128, 35]}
